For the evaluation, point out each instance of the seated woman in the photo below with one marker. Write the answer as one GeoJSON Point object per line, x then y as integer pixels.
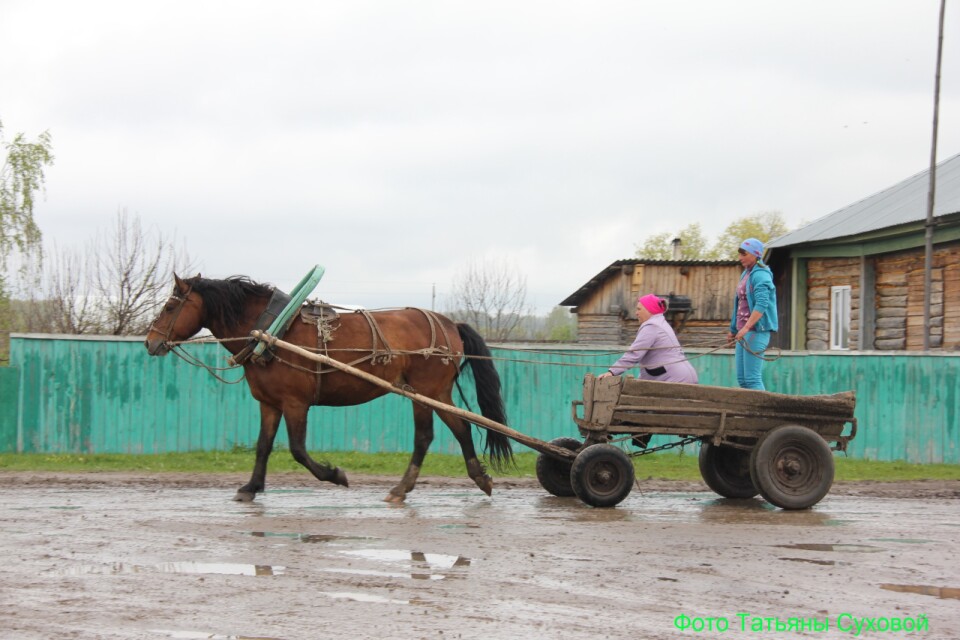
{"type": "Point", "coordinates": [656, 349]}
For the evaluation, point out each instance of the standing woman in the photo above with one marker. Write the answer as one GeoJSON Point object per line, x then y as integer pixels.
{"type": "Point", "coordinates": [656, 349]}
{"type": "Point", "coordinates": [754, 314]}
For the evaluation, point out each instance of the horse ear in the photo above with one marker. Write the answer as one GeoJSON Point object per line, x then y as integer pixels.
{"type": "Point", "coordinates": [180, 284]}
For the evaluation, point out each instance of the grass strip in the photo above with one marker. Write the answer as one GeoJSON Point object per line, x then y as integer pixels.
{"type": "Point", "coordinates": [666, 466]}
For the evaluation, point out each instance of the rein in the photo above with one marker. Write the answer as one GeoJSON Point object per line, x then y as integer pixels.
{"type": "Point", "coordinates": [182, 353]}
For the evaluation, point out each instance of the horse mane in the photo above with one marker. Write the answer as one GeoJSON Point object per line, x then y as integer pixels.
{"type": "Point", "coordinates": [226, 300]}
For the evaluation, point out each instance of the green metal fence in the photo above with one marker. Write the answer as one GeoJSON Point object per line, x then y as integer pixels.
{"type": "Point", "coordinates": [9, 407]}
{"type": "Point", "coordinates": [108, 395]}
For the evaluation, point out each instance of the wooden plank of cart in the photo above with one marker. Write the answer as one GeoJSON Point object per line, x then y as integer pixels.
{"type": "Point", "coordinates": [752, 442]}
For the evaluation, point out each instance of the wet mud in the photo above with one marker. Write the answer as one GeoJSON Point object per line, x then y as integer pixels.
{"type": "Point", "coordinates": [126, 556]}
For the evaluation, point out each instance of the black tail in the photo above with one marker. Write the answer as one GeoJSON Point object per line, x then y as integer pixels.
{"type": "Point", "coordinates": [488, 394]}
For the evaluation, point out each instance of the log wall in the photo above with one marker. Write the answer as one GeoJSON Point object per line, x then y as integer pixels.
{"type": "Point", "coordinates": [822, 274]}
{"type": "Point", "coordinates": [897, 313]}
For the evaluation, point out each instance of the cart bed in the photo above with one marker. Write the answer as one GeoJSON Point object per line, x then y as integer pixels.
{"type": "Point", "coordinates": [628, 406]}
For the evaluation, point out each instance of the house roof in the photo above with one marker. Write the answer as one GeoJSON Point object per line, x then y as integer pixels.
{"type": "Point", "coordinates": [578, 296]}
{"type": "Point", "coordinates": [903, 203]}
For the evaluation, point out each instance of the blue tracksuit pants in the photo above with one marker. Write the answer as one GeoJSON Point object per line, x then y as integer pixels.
{"type": "Point", "coordinates": [750, 366]}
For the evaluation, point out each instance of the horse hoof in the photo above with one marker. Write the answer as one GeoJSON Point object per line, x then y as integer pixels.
{"type": "Point", "coordinates": [339, 477]}
{"type": "Point", "coordinates": [244, 496]}
{"type": "Point", "coordinates": [486, 485]}
{"type": "Point", "coordinates": [394, 498]}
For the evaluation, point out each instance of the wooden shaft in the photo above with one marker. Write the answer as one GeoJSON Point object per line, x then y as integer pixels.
{"type": "Point", "coordinates": [477, 419]}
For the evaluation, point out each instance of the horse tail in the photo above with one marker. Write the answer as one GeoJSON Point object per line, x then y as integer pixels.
{"type": "Point", "coordinates": [488, 393]}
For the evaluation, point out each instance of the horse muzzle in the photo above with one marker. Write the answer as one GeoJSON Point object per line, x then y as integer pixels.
{"type": "Point", "coordinates": [156, 347]}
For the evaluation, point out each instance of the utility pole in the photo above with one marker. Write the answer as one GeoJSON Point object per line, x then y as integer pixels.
{"type": "Point", "coordinates": [931, 193]}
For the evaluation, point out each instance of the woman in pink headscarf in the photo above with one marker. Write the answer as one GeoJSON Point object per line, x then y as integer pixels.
{"type": "Point", "coordinates": [656, 349]}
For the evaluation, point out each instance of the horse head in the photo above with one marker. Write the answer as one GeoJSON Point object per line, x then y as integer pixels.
{"type": "Point", "coordinates": [180, 317]}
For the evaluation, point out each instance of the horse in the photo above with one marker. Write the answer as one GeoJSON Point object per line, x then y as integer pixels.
{"type": "Point", "coordinates": [410, 348]}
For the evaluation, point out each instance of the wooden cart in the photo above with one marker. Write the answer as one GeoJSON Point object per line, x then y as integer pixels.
{"type": "Point", "coordinates": [752, 442]}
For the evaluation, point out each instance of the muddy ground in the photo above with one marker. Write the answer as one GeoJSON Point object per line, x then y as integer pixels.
{"type": "Point", "coordinates": [124, 556]}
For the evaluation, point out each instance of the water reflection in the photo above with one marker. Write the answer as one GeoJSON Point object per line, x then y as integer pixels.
{"type": "Point", "coordinates": [809, 546]}
{"type": "Point", "coordinates": [192, 568]}
{"type": "Point", "coordinates": [416, 565]}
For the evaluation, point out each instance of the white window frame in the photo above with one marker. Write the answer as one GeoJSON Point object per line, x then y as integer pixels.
{"type": "Point", "coordinates": [840, 318]}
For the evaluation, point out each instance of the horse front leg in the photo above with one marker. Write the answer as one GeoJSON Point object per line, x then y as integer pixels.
{"type": "Point", "coordinates": [423, 436]}
{"type": "Point", "coordinates": [296, 419]}
{"type": "Point", "coordinates": [269, 421]}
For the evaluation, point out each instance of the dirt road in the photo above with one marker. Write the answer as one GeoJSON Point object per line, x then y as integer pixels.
{"type": "Point", "coordinates": [120, 556]}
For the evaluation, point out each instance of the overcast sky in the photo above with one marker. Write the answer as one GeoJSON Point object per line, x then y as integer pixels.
{"type": "Point", "coordinates": [396, 142]}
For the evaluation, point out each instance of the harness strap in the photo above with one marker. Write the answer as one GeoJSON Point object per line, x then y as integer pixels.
{"type": "Point", "coordinates": [385, 354]}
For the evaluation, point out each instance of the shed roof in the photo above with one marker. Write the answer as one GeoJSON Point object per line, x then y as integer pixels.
{"type": "Point", "coordinates": [578, 296]}
{"type": "Point", "coordinates": [902, 203]}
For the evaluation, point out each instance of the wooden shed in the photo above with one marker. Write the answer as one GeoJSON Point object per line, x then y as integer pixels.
{"type": "Point", "coordinates": [700, 294]}
{"type": "Point", "coordinates": [854, 279]}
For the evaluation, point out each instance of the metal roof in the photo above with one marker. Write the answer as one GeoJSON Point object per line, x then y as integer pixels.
{"type": "Point", "coordinates": [578, 296]}
{"type": "Point", "coordinates": [902, 203]}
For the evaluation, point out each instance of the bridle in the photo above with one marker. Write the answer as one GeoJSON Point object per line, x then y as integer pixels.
{"type": "Point", "coordinates": [181, 301]}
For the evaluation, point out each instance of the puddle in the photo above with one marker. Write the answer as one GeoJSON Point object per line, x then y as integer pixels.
{"type": "Point", "coordinates": [853, 548]}
{"type": "Point", "coordinates": [191, 568]}
{"type": "Point", "coordinates": [309, 538]}
{"type": "Point", "coordinates": [427, 560]}
{"type": "Point", "coordinates": [936, 592]}
{"type": "Point", "coordinates": [416, 565]}
{"type": "Point", "coordinates": [387, 574]}
{"type": "Point", "coordinates": [197, 635]}
{"type": "Point", "coordinates": [361, 597]}
{"type": "Point", "coordinates": [902, 540]}
{"type": "Point", "coordinates": [824, 563]}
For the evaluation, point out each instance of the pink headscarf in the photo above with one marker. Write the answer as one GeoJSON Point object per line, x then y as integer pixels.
{"type": "Point", "coordinates": [653, 304]}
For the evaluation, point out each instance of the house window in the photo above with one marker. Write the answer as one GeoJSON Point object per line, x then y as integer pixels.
{"type": "Point", "coordinates": [840, 317]}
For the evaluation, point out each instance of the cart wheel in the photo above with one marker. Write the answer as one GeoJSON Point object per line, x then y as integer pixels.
{"type": "Point", "coordinates": [792, 467]}
{"type": "Point", "coordinates": [554, 474]}
{"type": "Point", "coordinates": [602, 475]}
{"type": "Point", "coordinates": [726, 470]}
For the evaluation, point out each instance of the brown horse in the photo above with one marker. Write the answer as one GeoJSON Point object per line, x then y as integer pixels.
{"type": "Point", "coordinates": [411, 348]}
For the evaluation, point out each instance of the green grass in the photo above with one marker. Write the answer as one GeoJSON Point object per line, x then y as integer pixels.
{"type": "Point", "coordinates": [667, 466]}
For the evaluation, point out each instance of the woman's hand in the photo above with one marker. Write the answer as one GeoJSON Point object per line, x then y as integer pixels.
{"type": "Point", "coordinates": [605, 374]}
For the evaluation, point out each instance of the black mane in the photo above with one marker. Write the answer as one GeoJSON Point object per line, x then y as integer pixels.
{"type": "Point", "coordinates": [224, 301]}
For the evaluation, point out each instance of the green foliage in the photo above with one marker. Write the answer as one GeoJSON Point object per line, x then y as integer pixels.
{"type": "Point", "coordinates": [693, 244]}
{"type": "Point", "coordinates": [560, 325]}
{"type": "Point", "coordinates": [764, 226]}
{"type": "Point", "coordinates": [21, 178]}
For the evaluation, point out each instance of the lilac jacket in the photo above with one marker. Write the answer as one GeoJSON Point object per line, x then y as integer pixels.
{"type": "Point", "coordinates": [657, 352]}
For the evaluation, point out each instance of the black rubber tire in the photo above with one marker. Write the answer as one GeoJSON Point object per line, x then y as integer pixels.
{"type": "Point", "coordinates": [602, 475]}
{"type": "Point", "coordinates": [792, 467]}
{"type": "Point", "coordinates": [554, 474]}
{"type": "Point", "coordinates": [726, 470]}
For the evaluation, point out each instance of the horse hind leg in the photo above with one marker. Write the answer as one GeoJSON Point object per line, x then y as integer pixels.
{"type": "Point", "coordinates": [461, 431]}
{"type": "Point", "coordinates": [297, 432]}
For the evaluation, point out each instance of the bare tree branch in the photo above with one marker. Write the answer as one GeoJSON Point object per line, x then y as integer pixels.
{"type": "Point", "coordinates": [491, 296]}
